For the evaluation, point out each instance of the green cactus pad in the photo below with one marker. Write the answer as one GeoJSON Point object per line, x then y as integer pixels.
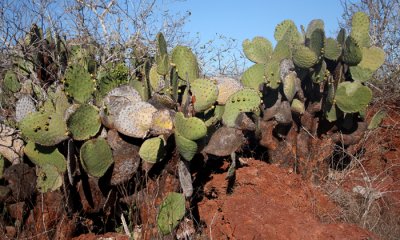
{"type": "Point", "coordinates": [297, 106]}
{"type": "Point", "coordinates": [360, 29]}
{"type": "Point", "coordinates": [258, 50]}
{"type": "Point", "coordinates": [226, 87]}
{"type": "Point", "coordinates": [318, 75]}
{"type": "Point", "coordinates": [212, 116]}
{"type": "Point", "coordinates": [333, 49]}
{"type": "Point", "coordinates": [282, 51]}
{"type": "Point", "coordinates": [372, 58]}
{"type": "Point", "coordinates": [171, 212]}
{"type": "Point", "coordinates": [162, 60]}
{"type": "Point", "coordinates": [314, 25]}
{"type": "Point", "coordinates": [42, 156]}
{"type": "Point", "coordinates": [352, 97]}
{"type": "Point", "coordinates": [253, 76]}
{"type": "Point", "coordinates": [187, 148]}
{"type": "Point", "coordinates": [245, 100]}
{"type": "Point", "coordinates": [186, 63]}
{"type": "Point", "coordinates": [11, 82]}
{"type": "Point", "coordinates": [84, 122]}
{"type": "Point", "coordinates": [110, 77]}
{"type": "Point", "coordinates": [156, 80]}
{"type": "Point", "coordinates": [161, 44]}
{"type": "Point", "coordinates": [49, 179]}
{"type": "Point", "coordinates": [303, 57]}
{"type": "Point", "coordinates": [330, 112]}
{"type": "Point", "coordinates": [152, 150]}
{"type": "Point", "coordinates": [272, 74]}
{"type": "Point", "coordinates": [376, 119]}
{"type": "Point", "coordinates": [341, 37]}
{"type": "Point", "coordinates": [352, 53]}
{"type": "Point", "coordinates": [135, 119]}
{"type": "Point", "coordinates": [289, 85]}
{"type": "Point", "coordinates": [78, 83]}
{"type": "Point", "coordinates": [45, 128]}
{"type": "Point", "coordinates": [192, 128]}
{"type": "Point", "coordinates": [205, 92]}
{"type": "Point", "coordinates": [23, 107]}
{"type": "Point", "coordinates": [287, 30]}
{"type": "Point", "coordinates": [96, 157]}
{"type": "Point", "coordinates": [317, 42]}
{"type": "Point", "coordinates": [140, 87]}
{"type": "Point", "coordinates": [360, 74]}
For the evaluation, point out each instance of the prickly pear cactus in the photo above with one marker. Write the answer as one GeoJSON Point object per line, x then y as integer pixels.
{"type": "Point", "coordinates": [333, 49]}
{"type": "Point", "coordinates": [245, 100]}
{"type": "Point", "coordinates": [258, 50]}
{"type": "Point", "coordinates": [96, 157]}
{"type": "Point", "coordinates": [192, 128]}
{"type": "Point", "coordinates": [360, 29]}
{"type": "Point", "coordinates": [226, 87]}
{"type": "Point", "coordinates": [376, 119]}
{"type": "Point", "coordinates": [42, 156]}
{"type": "Point", "coordinates": [152, 150]}
{"type": "Point", "coordinates": [352, 97]}
{"type": "Point", "coordinates": [49, 179]}
{"type": "Point", "coordinates": [135, 119]}
{"type": "Point", "coordinates": [171, 211]}
{"type": "Point", "coordinates": [303, 57]}
{"type": "Point", "coordinates": [84, 122]}
{"type": "Point", "coordinates": [11, 82]}
{"type": "Point", "coordinates": [78, 83]}
{"type": "Point", "coordinates": [253, 77]}
{"type": "Point", "coordinates": [186, 63]}
{"type": "Point", "coordinates": [205, 92]}
{"type": "Point", "coordinates": [23, 107]}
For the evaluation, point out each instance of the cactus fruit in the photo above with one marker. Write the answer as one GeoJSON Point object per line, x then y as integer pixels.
{"type": "Point", "coordinates": [289, 85]}
{"type": "Point", "coordinates": [205, 93]}
{"type": "Point", "coordinates": [253, 76]}
{"type": "Point", "coordinates": [192, 128]}
{"type": "Point", "coordinates": [84, 122]}
{"type": "Point", "coordinates": [186, 63]}
{"type": "Point", "coordinates": [352, 97]}
{"type": "Point", "coordinates": [23, 107]}
{"type": "Point", "coordinates": [96, 157]}
{"type": "Point", "coordinates": [226, 87]}
{"type": "Point", "coordinates": [333, 49]}
{"type": "Point", "coordinates": [135, 119]}
{"type": "Point", "coordinates": [11, 82]}
{"type": "Point", "coordinates": [49, 179]}
{"type": "Point", "coordinates": [352, 53]}
{"type": "Point", "coordinates": [245, 100]}
{"type": "Point", "coordinates": [360, 29]}
{"type": "Point", "coordinates": [78, 83]}
{"type": "Point", "coordinates": [46, 128]}
{"type": "Point", "coordinates": [258, 50]}
{"type": "Point", "coordinates": [171, 211]}
{"type": "Point", "coordinates": [152, 150]}
{"type": "Point", "coordinates": [42, 156]}
{"type": "Point", "coordinates": [303, 57]}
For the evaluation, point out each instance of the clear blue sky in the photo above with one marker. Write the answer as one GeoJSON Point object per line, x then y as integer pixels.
{"type": "Point", "coordinates": [241, 19]}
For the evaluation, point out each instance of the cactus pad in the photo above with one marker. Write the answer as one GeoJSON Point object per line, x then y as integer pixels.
{"type": "Point", "coordinates": [187, 148]}
{"type": "Point", "coordinates": [205, 92]}
{"type": "Point", "coordinates": [360, 29]}
{"type": "Point", "coordinates": [314, 25]}
{"type": "Point", "coordinates": [84, 122]}
{"type": "Point", "coordinates": [272, 74]}
{"type": "Point", "coordinates": [253, 76]}
{"type": "Point", "coordinates": [289, 85]}
{"type": "Point", "coordinates": [45, 128]}
{"type": "Point", "coordinates": [297, 106]}
{"type": "Point", "coordinates": [303, 57]}
{"type": "Point", "coordinates": [186, 63]}
{"type": "Point", "coordinates": [171, 211]}
{"type": "Point", "coordinates": [78, 83]}
{"type": "Point", "coordinates": [258, 50]}
{"type": "Point", "coordinates": [288, 30]}
{"type": "Point", "coordinates": [333, 49]}
{"type": "Point", "coordinates": [157, 82]}
{"type": "Point", "coordinates": [376, 119]}
{"type": "Point", "coordinates": [352, 97]}
{"type": "Point", "coordinates": [152, 150]}
{"type": "Point", "coordinates": [42, 156]}
{"type": "Point", "coordinates": [135, 119]}
{"type": "Point", "coordinates": [192, 128]}
{"type": "Point", "coordinates": [226, 87]}
{"type": "Point", "coordinates": [49, 179]}
{"type": "Point", "coordinates": [96, 157]}
{"type": "Point", "coordinates": [11, 82]}
{"type": "Point", "coordinates": [23, 107]}
{"type": "Point", "coordinates": [245, 100]}
{"type": "Point", "coordinates": [352, 53]}
{"type": "Point", "coordinates": [372, 58]}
